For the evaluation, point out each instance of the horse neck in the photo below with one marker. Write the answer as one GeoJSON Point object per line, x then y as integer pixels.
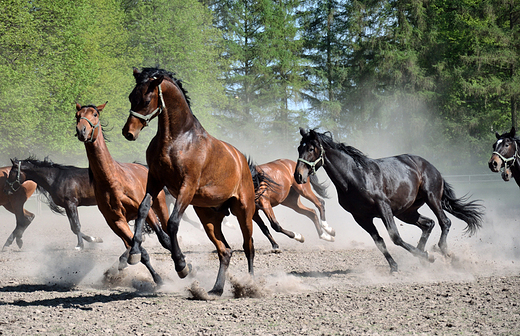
{"type": "Point", "coordinates": [341, 167]}
{"type": "Point", "coordinates": [178, 118]}
{"type": "Point", "coordinates": [43, 176]}
{"type": "Point", "coordinates": [100, 161]}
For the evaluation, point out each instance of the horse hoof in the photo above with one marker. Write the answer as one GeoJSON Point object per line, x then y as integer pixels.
{"type": "Point", "coordinates": [216, 292]}
{"type": "Point", "coordinates": [299, 237]}
{"type": "Point", "coordinates": [19, 242]}
{"type": "Point", "coordinates": [327, 237]}
{"type": "Point", "coordinates": [328, 229]}
{"type": "Point", "coordinates": [78, 248]}
{"type": "Point", "coordinates": [184, 273]}
{"type": "Point", "coordinates": [430, 258]}
{"type": "Point", "coordinates": [134, 258]}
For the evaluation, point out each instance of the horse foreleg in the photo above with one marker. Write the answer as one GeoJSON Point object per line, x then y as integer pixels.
{"type": "Point", "coordinates": [388, 220]}
{"type": "Point", "coordinates": [258, 220]}
{"type": "Point", "coordinates": [368, 225]}
{"type": "Point", "coordinates": [181, 267]}
{"type": "Point", "coordinates": [306, 192]}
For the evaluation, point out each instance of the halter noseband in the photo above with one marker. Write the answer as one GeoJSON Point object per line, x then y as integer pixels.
{"type": "Point", "coordinates": [313, 164]}
{"type": "Point", "coordinates": [155, 112]}
{"type": "Point", "coordinates": [506, 161]}
{"type": "Point", "coordinates": [11, 184]}
{"type": "Point", "coordinates": [93, 129]}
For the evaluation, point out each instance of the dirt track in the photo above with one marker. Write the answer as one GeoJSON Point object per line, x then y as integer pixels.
{"type": "Point", "coordinates": [313, 288]}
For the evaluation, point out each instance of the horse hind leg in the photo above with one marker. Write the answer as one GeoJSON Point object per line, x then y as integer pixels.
{"type": "Point", "coordinates": [72, 214]}
{"type": "Point", "coordinates": [424, 223]}
{"type": "Point", "coordinates": [444, 222]}
{"type": "Point", "coordinates": [268, 210]}
{"type": "Point", "coordinates": [23, 219]}
{"type": "Point", "coordinates": [258, 220]}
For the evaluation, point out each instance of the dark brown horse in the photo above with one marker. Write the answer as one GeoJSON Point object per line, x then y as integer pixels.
{"type": "Point", "coordinates": [65, 187]}
{"type": "Point", "coordinates": [383, 188]}
{"type": "Point", "coordinates": [505, 156]}
{"type": "Point", "coordinates": [14, 202]}
{"type": "Point", "coordinates": [119, 187]}
{"type": "Point", "coordinates": [197, 168]}
{"type": "Point", "coordinates": [285, 191]}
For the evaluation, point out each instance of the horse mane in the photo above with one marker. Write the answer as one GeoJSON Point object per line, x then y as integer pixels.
{"type": "Point", "coordinates": [47, 163]}
{"type": "Point", "coordinates": [358, 156]}
{"type": "Point", "coordinates": [147, 73]}
{"type": "Point", "coordinates": [260, 176]}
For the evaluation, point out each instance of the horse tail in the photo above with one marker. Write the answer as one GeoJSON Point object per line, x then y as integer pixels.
{"type": "Point", "coordinates": [471, 212]}
{"type": "Point", "coordinates": [47, 199]}
{"type": "Point", "coordinates": [259, 178]}
{"type": "Point", "coordinates": [319, 187]}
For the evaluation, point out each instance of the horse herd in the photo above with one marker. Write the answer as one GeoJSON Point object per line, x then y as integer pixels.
{"type": "Point", "coordinates": [187, 166]}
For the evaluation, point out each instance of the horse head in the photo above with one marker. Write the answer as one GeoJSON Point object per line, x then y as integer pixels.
{"type": "Point", "coordinates": [146, 102]}
{"type": "Point", "coordinates": [87, 122]}
{"type": "Point", "coordinates": [310, 156]}
{"type": "Point", "coordinates": [505, 153]}
{"type": "Point", "coordinates": [15, 179]}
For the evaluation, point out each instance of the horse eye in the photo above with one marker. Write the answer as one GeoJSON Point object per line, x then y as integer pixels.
{"type": "Point", "coordinates": [95, 115]}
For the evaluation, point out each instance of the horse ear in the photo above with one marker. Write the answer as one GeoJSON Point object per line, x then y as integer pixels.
{"type": "Point", "coordinates": [513, 131]}
{"type": "Point", "coordinates": [302, 132]}
{"type": "Point", "coordinates": [497, 135]}
{"type": "Point", "coordinates": [156, 81]}
{"type": "Point", "coordinates": [101, 107]}
{"type": "Point", "coordinates": [78, 107]}
{"type": "Point", "coordinates": [136, 72]}
{"type": "Point", "coordinates": [12, 161]}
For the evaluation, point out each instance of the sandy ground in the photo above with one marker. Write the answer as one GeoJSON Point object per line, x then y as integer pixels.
{"type": "Point", "coordinates": [315, 288]}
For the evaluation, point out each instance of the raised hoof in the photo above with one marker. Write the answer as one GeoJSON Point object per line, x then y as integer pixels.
{"type": "Point", "coordinates": [299, 237]}
{"type": "Point", "coordinates": [78, 248]}
{"type": "Point", "coordinates": [134, 258]}
{"type": "Point", "coordinates": [91, 239]}
{"type": "Point", "coordinates": [184, 273]}
{"type": "Point", "coordinates": [330, 231]}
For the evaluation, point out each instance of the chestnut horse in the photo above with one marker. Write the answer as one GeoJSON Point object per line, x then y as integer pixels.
{"type": "Point", "coordinates": [383, 188]}
{"type": "Point", "coordinates": [287, 192]}
{"type": "Point", "coordinates": [505, 156]}
{"type": "Point", "coordinates": [197, 168]}
{"type": "Point", "coordinates": [64, 187]}
{"type": "Point", "coordinates": [13, 201]}
{"type": "Point", "coordinates": [119, 187]}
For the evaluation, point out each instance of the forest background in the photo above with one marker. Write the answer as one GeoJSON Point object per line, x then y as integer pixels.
{"type": "Point", "coordinates": [435, 78]}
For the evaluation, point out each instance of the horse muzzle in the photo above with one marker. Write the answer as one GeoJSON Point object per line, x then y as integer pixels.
{"type": "Point", "coordinates": [494, 164]}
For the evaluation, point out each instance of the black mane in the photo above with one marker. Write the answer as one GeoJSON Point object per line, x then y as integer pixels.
{"type": "Point", "coordinates": [47, 163]}
{"type": "Point", "coordinates": [356, 154]}
{"type": "Point", "coordinates": [148, 73]}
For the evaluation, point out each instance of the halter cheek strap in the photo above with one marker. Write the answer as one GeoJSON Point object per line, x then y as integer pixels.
{"type": "Point", "coordinates": [156, 112]}
{"type": "Point", "coordinates": [93, 129]}
{"type": "Point", "coordinates": [12, 184]}
{"type": "Point", "coordinates": [506, 161]}
{"type": "Point", "coordinates": [313, 164]}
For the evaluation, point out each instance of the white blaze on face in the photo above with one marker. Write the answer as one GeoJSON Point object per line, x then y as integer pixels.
{"type": "Point", "coordinates": [499, 142]}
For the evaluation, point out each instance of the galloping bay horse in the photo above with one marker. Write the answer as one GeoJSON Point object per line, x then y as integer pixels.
{"type": "Point", "coordinates": [64, 187]}
{"type": "Point", "coordinates": [505, 156]}
{"type": "Point", "coordinates": [197, 168]}
{"type": "Point", "coordinates": [383, 188]}
{"type": "Point", "coordinates": [285, 191]}
{"type": "Point", "coordinates": [119, 187]}
{"type": "Point", "coordinates": [13, 201]}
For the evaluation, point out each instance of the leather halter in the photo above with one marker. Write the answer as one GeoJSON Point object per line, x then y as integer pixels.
{"type": "Point", "coordinates": [313, 164]}
{"type": "Point", "coordinates": [507, 160]}
{"type": "Point", "coordinates": [93, 129]}
{"type": "Point", "coordinates": [12, 184]}
{"type": "Point", "coordinates": [156, 112]}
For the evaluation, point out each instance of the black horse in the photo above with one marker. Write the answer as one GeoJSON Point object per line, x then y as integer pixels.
{"type": "Point", "coordinates": [505, 156]}
{"type": "Point", "coordinates": [383, 188]}
{"type": "Point", "coordinates": [65, 187]}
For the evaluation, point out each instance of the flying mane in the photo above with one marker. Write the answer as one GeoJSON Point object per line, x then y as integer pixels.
{"type": "Point", "coordinates": [147, 73]}
{"type": "Point", "coordinates": [355, 153]}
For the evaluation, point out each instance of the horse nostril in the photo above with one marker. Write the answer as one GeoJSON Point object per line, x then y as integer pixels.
{"type": "Point", "coordinates": [129, 136]}
{"type": "Point", "coordinates": [495, 164]}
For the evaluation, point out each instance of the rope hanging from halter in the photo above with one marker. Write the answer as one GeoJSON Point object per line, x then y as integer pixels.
{"type": "Point", "coordinates": [313, 164]}
{"type": "Point", "coordinates": [11, 184]}
{"type": "Point", "coordinates": [155, 112]}
{"type": "Point", "coordinates": [506, 161]}
{"type": "Point", "coordinates": [93, 129]}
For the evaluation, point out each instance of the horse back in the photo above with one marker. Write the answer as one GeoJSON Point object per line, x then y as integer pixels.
{"type": "Point", "coordinates": [281, 172]}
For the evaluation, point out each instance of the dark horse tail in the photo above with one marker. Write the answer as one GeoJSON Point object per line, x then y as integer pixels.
{"type": "Point", "coordinates": [48, 200]}
{"type": "Point", "coordinates": [260, 177]}
{"type": "Point", "coordinates": [319, 188]}
{"type": "Point", "coordinates": [470, 212]}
